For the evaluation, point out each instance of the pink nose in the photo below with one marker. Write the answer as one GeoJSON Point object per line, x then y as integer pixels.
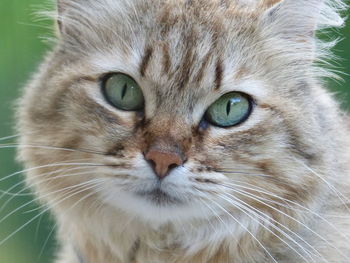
{"type": "Point", "coordinates": [163, 162]}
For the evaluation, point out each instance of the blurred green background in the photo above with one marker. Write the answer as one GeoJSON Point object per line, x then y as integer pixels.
{"type": "Point", "coordinates": [21, 49]}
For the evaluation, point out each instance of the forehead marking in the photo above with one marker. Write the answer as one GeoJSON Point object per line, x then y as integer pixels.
{"type": "Point", "coordinates": [218, 74]}
{"type": "Point", "coordinates": [205, 63]}
{"type": "Point", "coordinates": [145, 60]}
{"type": "Point", "coordinates": [188, 60]}
{"type": "Point", "coordinates": [166, 58]}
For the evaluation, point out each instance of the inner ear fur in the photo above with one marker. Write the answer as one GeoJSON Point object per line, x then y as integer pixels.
{"type": "Point", "coordinates": [302, 17]}
{"type": "Point", "coordinates": [293, 18]}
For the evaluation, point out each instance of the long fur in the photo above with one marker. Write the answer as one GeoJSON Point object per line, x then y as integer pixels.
{"type": "Point", "coordinates": [272, 189]}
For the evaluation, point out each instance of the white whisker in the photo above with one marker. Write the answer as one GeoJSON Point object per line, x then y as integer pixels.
{"type": "Point", "coordinates": [46, 147]}
{"type": "Point", "coordinates": [44, 211]}
{"type": "Point", "coordinates": [38, 198]}
{"type": "Point", "coordinates": [295, 220]}
{"type": "Point", "coordinates": [51, 165]}
{"type": "Point", "coordinates": [303, 208]}
{"type": "Point", "coordinates": [245, 228]}
{"type": "Point", "coordinates": [264, 216]}
{"type": "Point", "coordinates": [8, 192]}
{"type": "Point", "coordinates": [9, 137]}
{"type": "Point", "coordinates": [55, 225]}
{"type": "Point", "coordinates": [238, 205]}
{"type": "Point", "coordinates": [340, 195]}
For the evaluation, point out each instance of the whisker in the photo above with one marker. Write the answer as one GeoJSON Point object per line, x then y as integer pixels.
{"type": "Point", "coordinates": [47, 241]}
{"type": "Point", "coordinates": [9, 137]}
{"type": "Point", "coordinates": [52, 165]}
{"type": "Point", "coordinates": [295, 220]}
{"type": "Point", "coordinates": [245, 228]}
{"type": "Point", "coordinates": [55, 225]}
{"type": "Point", "coordinates": [257, 175]}
{"type": "Point", "coordinates": [345, 200]}
{"type": "Point", "coordinates": [259, 190]}
{"type": "Point", "coordinates": [44, 211]}
{"type": "Point", "coordinates": [303, 208]}
{"type": "Point", "coordinates": [52, 148]}
{"type": "Point", "coordinates": [38, 198]}
{"type": "Point", "coordinates": [7, 192]}
{"type": "Point", "coordinates": [244, 173]}
{"type": "Point", "coordinates": [239, 207]}
{"type": "Point", "coordinates": [62, 176]}
{"type": "Point", "coordinates": [3, 192]}
{"type": "Point", "coordinates": [216, 215]}
{"type": "Point", "coordinates": [263, 216]}
{"type": "Point", "coordinates": [331, 187]}
{"type": "Point", "coordinates": [26, 188]}
{"type": "Point", "coordinates": [38, 175]}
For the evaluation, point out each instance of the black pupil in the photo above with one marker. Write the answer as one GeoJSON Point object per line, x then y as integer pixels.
{"type": "Point", "coordinates": [228, 107]}
{"type": "Point", "coordinates": [124, 90]}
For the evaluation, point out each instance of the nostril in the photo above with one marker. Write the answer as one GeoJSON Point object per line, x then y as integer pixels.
{"type": "Point", "coordinates": [172, 166]}
{"type": "Point", "coordinates": [151, 162]}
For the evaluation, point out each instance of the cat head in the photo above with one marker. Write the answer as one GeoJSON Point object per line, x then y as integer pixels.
{"type": "Point", "coordinates": [181, 110]}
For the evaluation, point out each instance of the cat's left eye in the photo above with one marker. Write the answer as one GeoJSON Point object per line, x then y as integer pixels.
{"type": "Point", "coordinates": [123, 92]}
{"type": "Point", "coordinates": [229, 110]}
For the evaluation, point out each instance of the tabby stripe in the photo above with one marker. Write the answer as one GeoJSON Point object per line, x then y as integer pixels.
{"type": "Point", "coordinates": [166, 58]}
{"type": "Point", "coordinates": [188, 60]}
{"type": "Point", "coordinates": [218, 74]}
{"type": "Point", "coordinates": [205, 63]}
{"type": "Point", "coordinates": [145, 60]}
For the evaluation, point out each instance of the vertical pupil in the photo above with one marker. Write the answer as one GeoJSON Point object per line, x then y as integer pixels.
{"type": "Point", "coordinates": [125, 87]}
{"type": "Point", "coordinates": [228, 107]}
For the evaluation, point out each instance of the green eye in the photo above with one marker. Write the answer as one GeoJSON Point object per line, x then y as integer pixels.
{"type": "Point", "coordinates": [123, 92]}
{"type": "Point", "coordinates": [231, 109]}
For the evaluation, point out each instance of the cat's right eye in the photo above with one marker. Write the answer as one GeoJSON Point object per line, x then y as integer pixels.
{"type": "Point", "coordinates": [123, 92]}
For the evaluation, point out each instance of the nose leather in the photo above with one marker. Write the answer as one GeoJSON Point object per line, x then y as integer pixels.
{"type": "Point", "coordinates": [163, 162]}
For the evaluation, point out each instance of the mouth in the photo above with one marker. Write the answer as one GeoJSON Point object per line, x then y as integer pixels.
{"type": "Point", "coordinates": [159, 197]}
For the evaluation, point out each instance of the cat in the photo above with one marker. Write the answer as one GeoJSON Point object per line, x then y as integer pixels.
{"type": "Point", "coordinates": [178, 131]}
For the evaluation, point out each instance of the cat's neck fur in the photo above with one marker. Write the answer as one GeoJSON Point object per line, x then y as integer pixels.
{"type": "Point", "coordinates": [134, 242]}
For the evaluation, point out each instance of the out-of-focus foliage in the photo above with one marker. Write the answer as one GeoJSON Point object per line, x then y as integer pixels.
{"type": "Point", "coordinates": [21, 49]}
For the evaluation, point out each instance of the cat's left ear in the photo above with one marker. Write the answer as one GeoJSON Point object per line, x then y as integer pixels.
{"type": "Point", "coordinates": [299, 19]}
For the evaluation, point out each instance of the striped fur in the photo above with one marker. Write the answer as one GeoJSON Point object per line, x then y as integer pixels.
{"type": "Point", "coordinates": [272, 189]}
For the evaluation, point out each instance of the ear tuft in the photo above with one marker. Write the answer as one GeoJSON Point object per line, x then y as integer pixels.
{"type": "Point", "coordinates": [304, 15]}
{"type": "Point", "coordinates": [289, 27]}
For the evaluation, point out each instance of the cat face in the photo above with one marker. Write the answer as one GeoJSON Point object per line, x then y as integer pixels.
{"type": "Point", "coordinates": [167, 159]}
